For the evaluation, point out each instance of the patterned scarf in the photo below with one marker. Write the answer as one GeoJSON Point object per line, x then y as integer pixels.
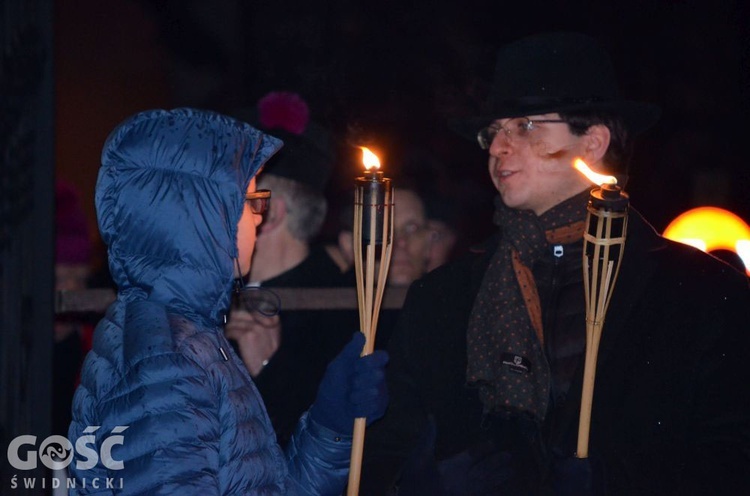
{"type": "Point", "coordinates": [505, 336]}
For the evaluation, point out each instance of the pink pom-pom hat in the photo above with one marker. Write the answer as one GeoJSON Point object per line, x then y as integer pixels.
{"type": "Point", "coordinates": [284, 110]}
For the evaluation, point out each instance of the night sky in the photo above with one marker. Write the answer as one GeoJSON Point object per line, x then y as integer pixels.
{"type": "Point", "coordinates": [394, 74]}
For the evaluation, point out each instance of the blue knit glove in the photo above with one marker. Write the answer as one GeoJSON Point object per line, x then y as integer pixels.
{"type": "Point", "coordinates": [352, 387]}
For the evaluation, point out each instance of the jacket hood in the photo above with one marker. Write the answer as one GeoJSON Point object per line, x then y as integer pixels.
{"type": "Point", "coordinates": [169, 195]}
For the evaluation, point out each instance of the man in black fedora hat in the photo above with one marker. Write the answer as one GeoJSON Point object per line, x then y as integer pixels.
{"type": "Point", "coordinates": [486, 363]}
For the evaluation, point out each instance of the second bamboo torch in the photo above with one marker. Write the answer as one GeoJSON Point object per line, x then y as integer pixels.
{"type": "Point", "coordinates": [603, 248]}
{"type": "Point", "coordinates": [373, 244]}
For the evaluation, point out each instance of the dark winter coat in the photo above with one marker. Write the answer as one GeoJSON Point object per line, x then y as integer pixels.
{"type": "Point", "coordinates": [670, 413]}
{"type": "Point", "coordinates": [310, 339]}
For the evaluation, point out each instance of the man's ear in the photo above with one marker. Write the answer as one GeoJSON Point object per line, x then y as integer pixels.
{"type": "Point", "coordinates": [596, 143]}
{"type": "Point", "coordinates": [274, 218]}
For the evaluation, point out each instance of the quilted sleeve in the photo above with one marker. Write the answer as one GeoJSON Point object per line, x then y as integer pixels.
{"type": "Point", "coordinates": [318, 460]}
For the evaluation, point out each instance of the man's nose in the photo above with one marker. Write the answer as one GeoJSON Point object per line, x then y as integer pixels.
{"type": "Point", "coordinates": [400, 241]}
{"type": "Point", "coordinates": [501, 144]}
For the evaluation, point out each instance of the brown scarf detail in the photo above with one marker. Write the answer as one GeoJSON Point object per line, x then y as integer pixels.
{"type": "Point", "coordinates": [506, 360]}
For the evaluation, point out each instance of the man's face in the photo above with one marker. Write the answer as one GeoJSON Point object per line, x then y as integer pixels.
{"type": "Point", "coordinates": [247, 233]}
{"type": "Point", "coordinates": [532, 170]}
{"type": "Point", "coordinates": [411, 240]}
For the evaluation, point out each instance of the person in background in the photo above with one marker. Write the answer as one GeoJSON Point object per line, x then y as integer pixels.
{"type": "Point", "coordinates": [419, 170]}
{"type": "Point", "coordinates": [178, 208]}
{"type": "Point", "coordinates": [287, 354]}
{"type": "Point", "coordinates": [425, 217]}
{"type": "Point", "coordinates": [412, 239]}
{"type": "Point", "coordinates": [487, 358]}
{"type": "Point", "coordinates": [72, 335]}
{"type": "Point", "coordinates": [442, 224]}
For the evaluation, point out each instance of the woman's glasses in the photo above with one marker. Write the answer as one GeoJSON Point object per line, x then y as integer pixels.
{"type": "Point", "coordinates": [259, 201]}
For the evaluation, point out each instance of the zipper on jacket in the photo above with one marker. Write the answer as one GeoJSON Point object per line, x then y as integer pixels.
{"type": "Point", "coordinates": [549, 321]}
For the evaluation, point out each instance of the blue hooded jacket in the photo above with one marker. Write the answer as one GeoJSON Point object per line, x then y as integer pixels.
{"type": "Point", "coordinates": [164, 405]}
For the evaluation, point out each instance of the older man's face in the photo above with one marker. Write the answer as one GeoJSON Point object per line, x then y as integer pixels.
{"type": "Point", "coordinates": [411, 240]}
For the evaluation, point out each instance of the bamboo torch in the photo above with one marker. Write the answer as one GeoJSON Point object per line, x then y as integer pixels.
{"type": "Point", "coordinates": [603, 247]}
{"type": "Point", "coordinates": [373, 244]}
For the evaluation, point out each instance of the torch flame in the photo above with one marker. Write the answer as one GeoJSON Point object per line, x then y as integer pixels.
{"type": "Point", "coordinates": [370, 160]}
{"type": "Point", "coordinates": [594, 177]}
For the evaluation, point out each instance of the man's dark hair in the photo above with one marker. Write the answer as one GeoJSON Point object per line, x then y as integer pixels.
{"type": "Point", "coordinates": [617, 157]}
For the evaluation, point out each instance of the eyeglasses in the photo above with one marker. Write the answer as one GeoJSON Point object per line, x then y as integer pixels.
{"type": "Point", "coordinates": [259, 201]}
{"type": "Point", "coordinates": [519, 129]}
{"type": "Point", "coordinates": [409, 231]}
{"type": "Point", "coordinates": [257, 299]}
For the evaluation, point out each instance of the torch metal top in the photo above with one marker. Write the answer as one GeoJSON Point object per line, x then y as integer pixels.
{"type": "Point", "coordinates": [609, 197]}
{"type": "Point", "coordinates": [372, 175]}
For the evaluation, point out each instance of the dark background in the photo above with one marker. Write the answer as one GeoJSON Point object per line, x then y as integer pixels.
{"type": "Point", "coordinates": [391, 74]}
{"type": "Point", "coordinates": [386, 74]}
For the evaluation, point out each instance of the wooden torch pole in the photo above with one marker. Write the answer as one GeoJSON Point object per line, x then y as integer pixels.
{"type": "Point", "coordinates": [373, 236]}
{"type": "Point", "coordinates": [603, 247]}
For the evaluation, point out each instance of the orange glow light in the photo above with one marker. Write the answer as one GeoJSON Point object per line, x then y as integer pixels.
{"type": "Point", "coordinates": [711, 228]}
{"type": "Point", "coordinates": [370, 160]}
{"type": "Point", "coordinates": [592, 176]}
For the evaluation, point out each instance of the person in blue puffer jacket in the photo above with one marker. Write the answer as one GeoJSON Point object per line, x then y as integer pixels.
{"type": "Point", "coordinates": [164, 405]}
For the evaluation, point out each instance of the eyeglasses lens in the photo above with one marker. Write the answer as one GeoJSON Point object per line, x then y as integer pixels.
{"type": "Point", "coordinates": [259, 201]}
{"type": "Point", "coordinates": [259, 206]}
{"type": "Point", "coordinates": [486, 136]}
{"type": "Point", "coordinates": [518, 128]}
{"type": "Point", "coordinates": [258, 299]}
